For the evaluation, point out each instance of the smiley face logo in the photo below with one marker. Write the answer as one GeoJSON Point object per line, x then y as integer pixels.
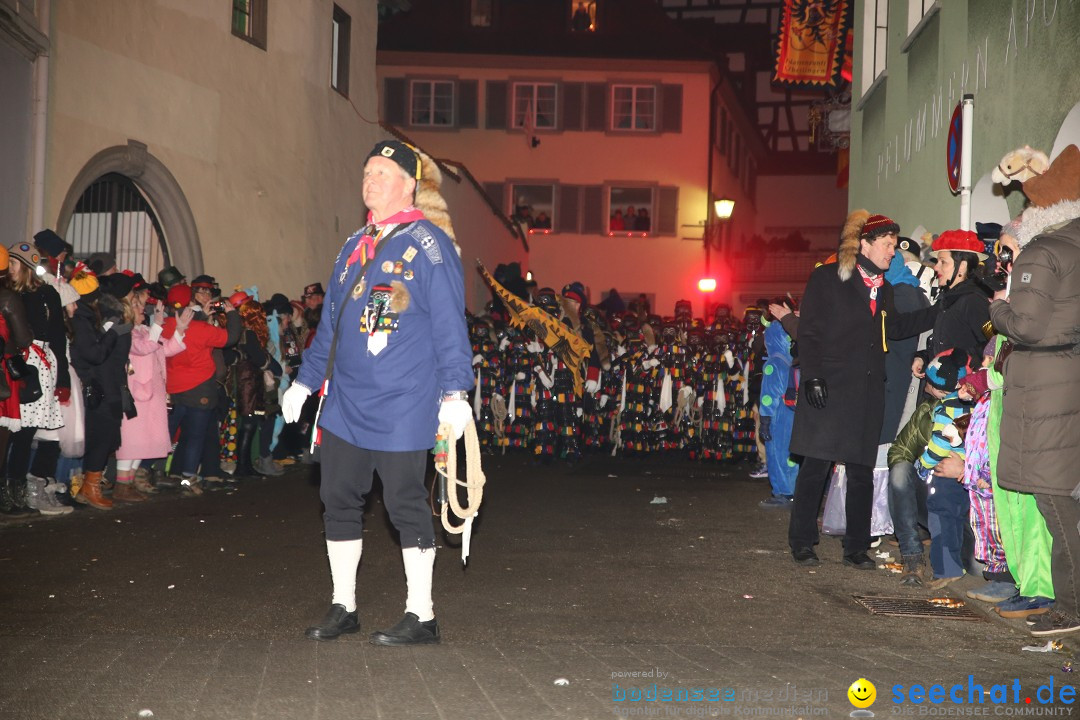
{"type": "Point", "coordinates": [862, 693]}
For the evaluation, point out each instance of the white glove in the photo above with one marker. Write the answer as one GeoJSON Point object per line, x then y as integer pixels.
{"type": "Point", "coordinates": [292, 402]}
{"type": "Point", "coordinates": [534, 347]}
{"type": "Point", "coordinates": [729, 358]}
{"type": "Point", "coordinates": [519, 376]}
{"type": "Point", "coordinates": [456, 412]}
{"type": "Point", "coordinates": [604, 400]}
{"type": "Point", "coordinates": [591, 386]}
{"type": "Point", "coordinates": [477, 359]}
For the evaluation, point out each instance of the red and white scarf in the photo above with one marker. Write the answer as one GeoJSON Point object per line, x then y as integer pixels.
{"type": "Point", "coordinates": [365, 248]}
{"type": "Point", "coordinates": [873, 282]}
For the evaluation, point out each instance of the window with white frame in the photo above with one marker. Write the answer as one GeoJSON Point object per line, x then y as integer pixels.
{"type": "Point", "coordinates": [631, 210]}
{"type": "Point", "coordinates": [633, 107]}
{"type": "Point", "coordinates": [431, 102]}
{"type": "Point", "coordinates": [917, 10]}
{"type": "Point", "coordinates": [535, 105]}
{"type": "Point", "coordinates": [339, 53]}
{"type": "Point", "coordinates": [875, 40]}
{"type": "Point", "coordinates": [534, 207]}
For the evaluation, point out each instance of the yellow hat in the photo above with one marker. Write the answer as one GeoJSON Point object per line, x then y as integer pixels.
{"type": "Point", "coordinates": [84, 282]}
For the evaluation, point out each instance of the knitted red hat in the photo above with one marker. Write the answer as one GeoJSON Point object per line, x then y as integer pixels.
{"type": "Point", "coordinates": [878, 225]}
{"type": "Point", "coordinates": [959, 241]}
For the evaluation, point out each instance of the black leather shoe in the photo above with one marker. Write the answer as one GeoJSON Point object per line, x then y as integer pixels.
{"type": "Point", "coordinates": [859, 561]}
{"type": "Point", "coordinates": [336, 622]}
{"type": "Point", "coordinates": [408, 631]}
{"type": "Point", "coordinates": [805, 556]}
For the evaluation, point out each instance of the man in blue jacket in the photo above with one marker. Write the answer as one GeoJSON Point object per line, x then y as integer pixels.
{"type": "Point", "coordinates": [394, 341]}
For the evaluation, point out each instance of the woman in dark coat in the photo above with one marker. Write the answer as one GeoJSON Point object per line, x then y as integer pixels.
{"type": "Point", "coordinates": [965, 305]}
{"type": "Point", "coordinates": [847, 311]}
{"type": "Point", "coordinates": [45, 316]}
{"type": "Point", "coordinates": [15, 337]}
{"type": "Point", "coordinates": [99, 353]}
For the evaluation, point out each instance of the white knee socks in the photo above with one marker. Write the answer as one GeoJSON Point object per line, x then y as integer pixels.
{"type": "Point", "coordinates": [344, 558]}
{"type": "Point", "coordinates": [419, 565]}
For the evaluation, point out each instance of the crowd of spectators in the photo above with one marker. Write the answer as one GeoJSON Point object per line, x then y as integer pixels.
{"type": "Point", "coordinates": [114, 387]}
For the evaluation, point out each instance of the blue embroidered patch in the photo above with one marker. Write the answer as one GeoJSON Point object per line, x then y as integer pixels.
{"type": "Point", "coordinates": [427, 243]}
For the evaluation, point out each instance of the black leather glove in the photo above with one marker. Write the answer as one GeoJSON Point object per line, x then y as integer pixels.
{"type": "Point", "coordinates": [16, 366]}
{"type": "Point", "coordinates": [765, 429]}
{"type": "Point", "coordinates": [816, 393]}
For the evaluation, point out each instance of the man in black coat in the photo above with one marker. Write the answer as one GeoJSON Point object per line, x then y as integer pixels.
{"type": "Point", "coordinates": [847, 312]}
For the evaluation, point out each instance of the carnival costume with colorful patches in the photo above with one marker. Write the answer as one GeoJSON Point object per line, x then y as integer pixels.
{"type": "Point", "coordinates": [394, 319]}
{"type": "Point", "coordinates": [989, 549]}
{"type": "Point", "coordinates": [487, 363]}
{"type": "Point", "coordinates": [774, 386]}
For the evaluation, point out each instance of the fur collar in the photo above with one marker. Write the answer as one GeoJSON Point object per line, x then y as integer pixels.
{"type": "Point", "coordinates": [1038, 220]}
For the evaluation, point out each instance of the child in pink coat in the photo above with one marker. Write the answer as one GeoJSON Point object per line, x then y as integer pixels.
{"type": "Point", "coordinates": [146, 436]}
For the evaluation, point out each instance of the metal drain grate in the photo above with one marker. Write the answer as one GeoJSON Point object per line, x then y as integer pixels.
{"type": "Point", "coordinates": [914, 607]}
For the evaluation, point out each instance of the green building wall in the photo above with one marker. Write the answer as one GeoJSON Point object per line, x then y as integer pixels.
{"type": "Point", "coordinates": [1021, 61]}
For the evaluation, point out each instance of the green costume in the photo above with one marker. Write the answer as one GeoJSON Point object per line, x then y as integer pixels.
{"type": "Point", "coordinates": [1023, 530]}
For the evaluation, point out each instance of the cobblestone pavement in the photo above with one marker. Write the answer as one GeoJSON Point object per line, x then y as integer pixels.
{"type": "Point", "coordinates": [195, 607]}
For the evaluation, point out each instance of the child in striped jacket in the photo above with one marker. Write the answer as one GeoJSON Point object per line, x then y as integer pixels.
{"type": "Point", "coordinates": [947, 503]}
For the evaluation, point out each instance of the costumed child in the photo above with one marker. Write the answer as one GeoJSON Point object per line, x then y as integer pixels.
{"type": "Point", "coordinates": [947, 501]}
{"type": "Point", "coordinates": [777, 418]}
{"type": "Point", "coordinates": [988, 547]}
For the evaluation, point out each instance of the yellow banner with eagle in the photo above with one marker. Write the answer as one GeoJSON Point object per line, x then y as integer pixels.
{"type": "Point", "coordinates": [567, 345]}
{"type": "Point", "coordinates": [810, 47]}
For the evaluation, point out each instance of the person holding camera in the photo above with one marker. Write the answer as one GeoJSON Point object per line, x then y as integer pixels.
{"type": "Point", "coordinates": [1039, 446]}
{"type": "Point", "coordinates": [191, 381]}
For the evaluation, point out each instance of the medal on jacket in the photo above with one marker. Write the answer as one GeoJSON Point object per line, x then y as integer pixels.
{"type": "Point", "coordinates": [374, 314]}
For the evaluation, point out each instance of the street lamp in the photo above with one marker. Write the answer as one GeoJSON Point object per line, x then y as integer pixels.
{"type": "Point", "coordinates": [714, 230]}
{"type": "Point", "coordinates": [723, 208]}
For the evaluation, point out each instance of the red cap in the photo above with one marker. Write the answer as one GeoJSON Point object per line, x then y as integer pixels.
{"type": "Point", "coordinates": [179, 296]}
{"type": "Point", "coordinates": [238, 298]}
{"type": "Point", "coordinates": [959, 241]}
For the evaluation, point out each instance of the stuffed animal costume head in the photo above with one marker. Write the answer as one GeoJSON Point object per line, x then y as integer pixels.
{"type": "Point", "coordinates": [1054, 196]}
{"type": "Point", "coordinates": [1020, 165]}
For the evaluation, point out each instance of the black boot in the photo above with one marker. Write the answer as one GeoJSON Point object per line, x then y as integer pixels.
{"type": "Point", "coordinates": [13, 499]}
{"type": "Point", "coordinates": [245, 436]}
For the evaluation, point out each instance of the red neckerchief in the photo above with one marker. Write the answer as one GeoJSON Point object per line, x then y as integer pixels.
{"type": "Point", "coordinates": [873, 282]}
{"type": "Point", "coordinates": [365, 248]}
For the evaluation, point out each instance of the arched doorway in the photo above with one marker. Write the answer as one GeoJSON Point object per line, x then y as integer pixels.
{"type": "Point", "coordinates": [114, 216]}
{"type": "Point", "coordinates": [152, 224]}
